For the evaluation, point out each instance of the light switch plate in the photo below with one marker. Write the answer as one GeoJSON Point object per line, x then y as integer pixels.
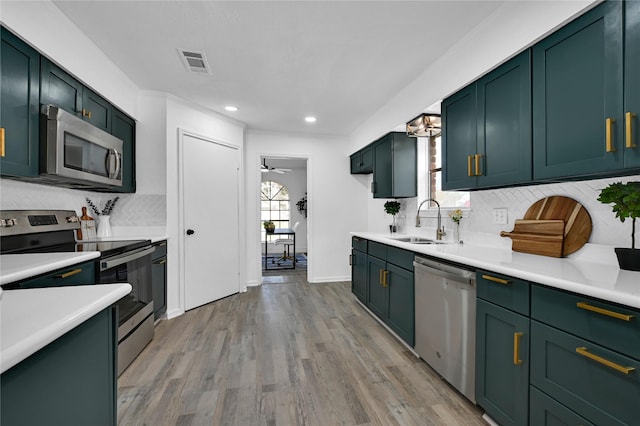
{"type": "Point", "coordinates": [500, 216]}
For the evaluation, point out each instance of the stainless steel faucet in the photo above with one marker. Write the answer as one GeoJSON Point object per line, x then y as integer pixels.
{"type": "Point", "coordinates": [439, 229]}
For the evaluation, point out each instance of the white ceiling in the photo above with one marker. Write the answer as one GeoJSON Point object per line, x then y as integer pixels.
{"type": "Point", "coordinates": [279, 61]}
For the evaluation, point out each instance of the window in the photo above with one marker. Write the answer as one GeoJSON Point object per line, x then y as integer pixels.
{"type": "Point", "coordinates": [275, 206]}
{"type": "Point", "coordinates": [447, 199]}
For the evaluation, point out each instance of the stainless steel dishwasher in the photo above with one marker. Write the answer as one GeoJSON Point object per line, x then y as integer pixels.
{"type": "Point", "coordinates": [445, 313]}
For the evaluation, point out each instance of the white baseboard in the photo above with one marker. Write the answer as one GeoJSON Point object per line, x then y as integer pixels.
{"type": "Point", "coordinates": [174, 313]}
{"type": "Point", "coordinates": [317, 280]}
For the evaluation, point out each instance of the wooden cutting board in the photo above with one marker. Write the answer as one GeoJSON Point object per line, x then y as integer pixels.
{"type": "Point", "coordinates": [577, 222]}
{"type": "Point", "coordinates": [543, 237]}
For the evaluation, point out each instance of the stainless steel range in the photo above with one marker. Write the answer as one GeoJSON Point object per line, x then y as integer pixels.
{"type": "Point", "coordinates": [52, 231]}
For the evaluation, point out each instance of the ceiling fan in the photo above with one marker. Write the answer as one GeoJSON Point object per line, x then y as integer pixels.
{"type": "Point", "coordinates": [265, 169]}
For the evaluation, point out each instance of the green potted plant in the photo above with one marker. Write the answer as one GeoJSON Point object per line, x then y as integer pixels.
{"type": "Point", "coordinates": [392, 208]}
{"type": "Point", "coordinates": [625, 198]}
{"type": "Point", "coordinates": [269, 226]}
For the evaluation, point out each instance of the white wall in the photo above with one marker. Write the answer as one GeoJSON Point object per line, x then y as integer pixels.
{"type": "Point", "coordinates": [193, 119]}
{"type": "Point", "coordinates": [296, 183]}
{"type": "Point", "coordinates": [336, 206]}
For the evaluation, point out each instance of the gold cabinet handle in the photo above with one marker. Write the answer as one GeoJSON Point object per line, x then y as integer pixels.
{"type": "Point", "coordinates": [585, 353]}
{"type": "Point", "coordinates": [469, 158]}
{"type": "Point", "coordinates": [629, 116]}
{"type": "Point", "coordinates": [601, 311]}
{"type": "Point", "coordinates": [516, 348]}
{"type": "Point", "coordinates": [380, 278]}
{"type": "Point", "coordinates": [162, 262]}
{"type": "Point", "coordinates": [385, 278]}
{"type": "Point", "coordinates": [609, 122]}
{"type": "Point", "coordinates": [68, 274]}
{"type": "Point", "coordinates": [86, 113]}
{"type": "Point", "coordinates": [478, 171]}
{"type": "Point", "coordinates": [350, 260]}
{"type": "Point", "coordinates": [496, 280]}
{"type": "Point", "coordinates": [2, 151]}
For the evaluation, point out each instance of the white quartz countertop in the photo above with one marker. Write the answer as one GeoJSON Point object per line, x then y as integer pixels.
{"type": "Point", "coordinates": [601, 280]}
{"type": "Point", "coordinates": [16, 267]}
{"type": "Point", "coordinates": [31, 319]}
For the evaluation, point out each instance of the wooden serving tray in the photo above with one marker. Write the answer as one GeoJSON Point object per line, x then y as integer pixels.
{"type": "Point", "coordinates": [543, 237]}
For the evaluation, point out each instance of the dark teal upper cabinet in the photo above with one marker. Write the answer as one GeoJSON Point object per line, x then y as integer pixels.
{"type": "Point", "coordinates": [487, 129]}
{"type": "Point", "coordinates": [19, 94]}
{"type": "Point", "coordinates": [577, 96]}
{"type": "Point", "coordinates": [124, 127]}
{"type": "Point", "coordinates": [632, 84]}
{"type": "Point", "coordinates": [362, 161]}
{"type": "Point", "coordinates": [395, 166]}
{"type": "Point", "coordinates": [61, 89]}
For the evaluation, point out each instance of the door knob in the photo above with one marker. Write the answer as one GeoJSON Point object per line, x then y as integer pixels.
{"type": "Point", "coordinates": [190, 232]}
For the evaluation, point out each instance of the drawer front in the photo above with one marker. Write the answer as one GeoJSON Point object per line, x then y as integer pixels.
{"type": "Point", "coordinates": [400, 257]}
{"type": "Point", "coordinates": [359, 244]}
{"type": "Point", "coordinates": [81, 274]}
{"type": "Point", "coordinates": [604, 323]}
{"type": "Point", "coordinates": [598, 392]}
{"type": "Point", "coordinates": [161, 250]}
{"type": "Point", "coordinates": [378, 250]}
{"type": "Point", "coordinates": [544, 411]}
{"type": "Point", "coordinates": [505, 291]}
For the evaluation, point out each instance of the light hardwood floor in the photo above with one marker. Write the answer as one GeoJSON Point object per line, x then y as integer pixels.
{"type": "Point", "coordinates": [285, 353]}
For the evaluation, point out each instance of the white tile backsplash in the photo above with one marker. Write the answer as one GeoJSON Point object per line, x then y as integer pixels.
{"type": "Point", "coordinates": [130, 210]}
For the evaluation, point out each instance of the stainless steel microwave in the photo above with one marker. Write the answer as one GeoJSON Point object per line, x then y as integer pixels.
{"type": "Point", "coordinates": [78, 153]}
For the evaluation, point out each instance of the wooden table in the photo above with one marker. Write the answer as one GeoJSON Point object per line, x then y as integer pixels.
{"type": "Point", "coordinates": [280, 231]}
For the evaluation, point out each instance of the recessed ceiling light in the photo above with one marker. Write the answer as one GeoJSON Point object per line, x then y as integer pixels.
{"type": "Point", "coordinates": [310, 119]}
{"type": "Point", "coordinates": [231, 108]}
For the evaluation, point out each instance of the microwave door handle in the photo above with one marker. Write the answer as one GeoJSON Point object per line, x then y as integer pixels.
{"type": "Point", "coordinates": [125, 258]}
{"type": "Point", "coordinates": [115, 170]}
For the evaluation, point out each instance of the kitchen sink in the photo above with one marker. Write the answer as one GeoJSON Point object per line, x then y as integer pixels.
{"type": "Point", "coordinates": [415, 240]}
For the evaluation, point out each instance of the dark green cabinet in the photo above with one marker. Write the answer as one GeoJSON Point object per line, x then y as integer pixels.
{"type": "Point", "coordinates": [124, 127]}
{"type": "Point", "coordinates": [80, 274]}
{"type": "Point", "coordinates": [487, 129]}
{"type": "Point", "coordinates": [394, 166]}
{"type": "Point", "coordinates": [71, 381]}
{"type": "Point", "coordinates": [632, 85]}
{"type": "Point", "coordinates": [59, 88]}
{"type": "Point", "coordinates": [359, 268]}
{"type": "Point", "coordinates": [545, 411]}
{"type": "Point", "coordinates": [19, 107]}
{"type": "Point", "coordinates": [362, 161]}
{"type": "Point", "coordinates": [401, 304]}
{"type": "Point", "coordinates": [502, 363]}
{"type": "Point", "coordinates": [577, 96]}
{"type": "Point", "coordinates": [376, 291]}
{"type": "Point", "coordinates": [159, 279]}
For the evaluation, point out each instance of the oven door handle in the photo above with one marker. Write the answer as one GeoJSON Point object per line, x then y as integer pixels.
{"type": "Point", "coordinates": [127, 257]}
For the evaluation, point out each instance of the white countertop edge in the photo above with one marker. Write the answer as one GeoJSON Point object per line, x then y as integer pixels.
{"type": "Point", "coordinates": [435, 250]}
{"type": "Point", "coordinates": [42, 263]}
{"type": "Point", "coordinates": [56, 326]}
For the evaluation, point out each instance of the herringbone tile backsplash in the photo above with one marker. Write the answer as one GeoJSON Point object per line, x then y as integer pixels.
{"type": "Point", "coordinates": [607, 229]}
{"type": "Point", "coordinates": [130, 210]}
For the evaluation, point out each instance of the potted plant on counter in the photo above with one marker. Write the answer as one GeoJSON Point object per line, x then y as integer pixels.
{"type": "Point", "coordinates": [625, 198]}
{"type": "Point", "coordinates": [269, 226]}
{"type": "Point", "coordinates": [392, 208]}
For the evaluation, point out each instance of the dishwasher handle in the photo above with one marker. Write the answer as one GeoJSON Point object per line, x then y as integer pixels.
{"type": "Point", "coordinates": [443, 269]}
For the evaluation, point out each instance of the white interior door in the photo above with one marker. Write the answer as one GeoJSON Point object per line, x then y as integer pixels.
{"type": "Point", "coordinates": [211, 224]}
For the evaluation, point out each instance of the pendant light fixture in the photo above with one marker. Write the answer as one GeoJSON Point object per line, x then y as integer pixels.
{"type": "Point", "coordinates": [425, 125]}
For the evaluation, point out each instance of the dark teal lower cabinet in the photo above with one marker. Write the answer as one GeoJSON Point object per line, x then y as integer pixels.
{"type": "Point", "coordinates": [401, 316]}
{"type": "Point", "coordinates": [545, 411]}
{"type": "Point", "coordinates": [159, 279]}
{"type": "Point", "coordinates": [502, 364]}
{"type": "Point", "coordinates": [81, 274]}
{"type": "Point", "coordinates": [377, 293]}
{"type": "Point", "coordinates": [601, 385]}
{"type": "Point", "coordinates": [359, 274]}
{"type": "Point", "coordinates": [71, 381]}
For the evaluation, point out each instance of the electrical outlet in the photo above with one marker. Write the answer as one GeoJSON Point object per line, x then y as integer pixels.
{"type": "Point", "coordinates": [500, 216]}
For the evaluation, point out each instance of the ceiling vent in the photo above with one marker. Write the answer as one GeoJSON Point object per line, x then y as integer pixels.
{"type": "Point", "coordinates": [195, 61]}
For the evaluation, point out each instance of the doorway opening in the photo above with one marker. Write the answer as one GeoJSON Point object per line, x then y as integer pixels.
{"type": "Point", "coordinates": [283, 204]}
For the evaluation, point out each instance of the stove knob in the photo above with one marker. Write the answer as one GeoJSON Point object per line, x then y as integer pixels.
{"type": "Point", "coordinates": [72, 219]}
{"type": "Point", "coordinates": [8, 222]}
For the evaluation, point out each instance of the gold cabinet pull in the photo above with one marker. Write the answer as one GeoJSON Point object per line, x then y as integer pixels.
{"type": "Point", "coordinates": [496, 280]}
{"type": "Point", "coordinates": [380, 278]}
{"type": "Point", "coordinates": [68, 274]}
{"type": "Point", "coordinates": [162, 262]}
{"type": "Point", "coordinates": [478, 171]}
{"type": "Point", "coordinates": [2, 151]}
{"type": "Point", "coordinates": [516, 347]}
{"type": "Point", "coordinates": [86, 113]}
{"type": "Point", "coordinates": [350, 260]}
{"type": "Point", "coordinates": [585, 353]}
{"type": "Point", "coordinates": [385, 278]}
{"type": "Point", "coordinates": [609, 122]}
{"type": "Point", "coordinates": [607, 312]}
{"type": "Point", "coordinates": [629, 116]}
{"type": "Point", "coordinates": [469, 158]}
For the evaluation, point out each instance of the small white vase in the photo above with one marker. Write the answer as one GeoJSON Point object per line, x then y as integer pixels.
{"type": "Point", "coordinates": [104, 226]}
